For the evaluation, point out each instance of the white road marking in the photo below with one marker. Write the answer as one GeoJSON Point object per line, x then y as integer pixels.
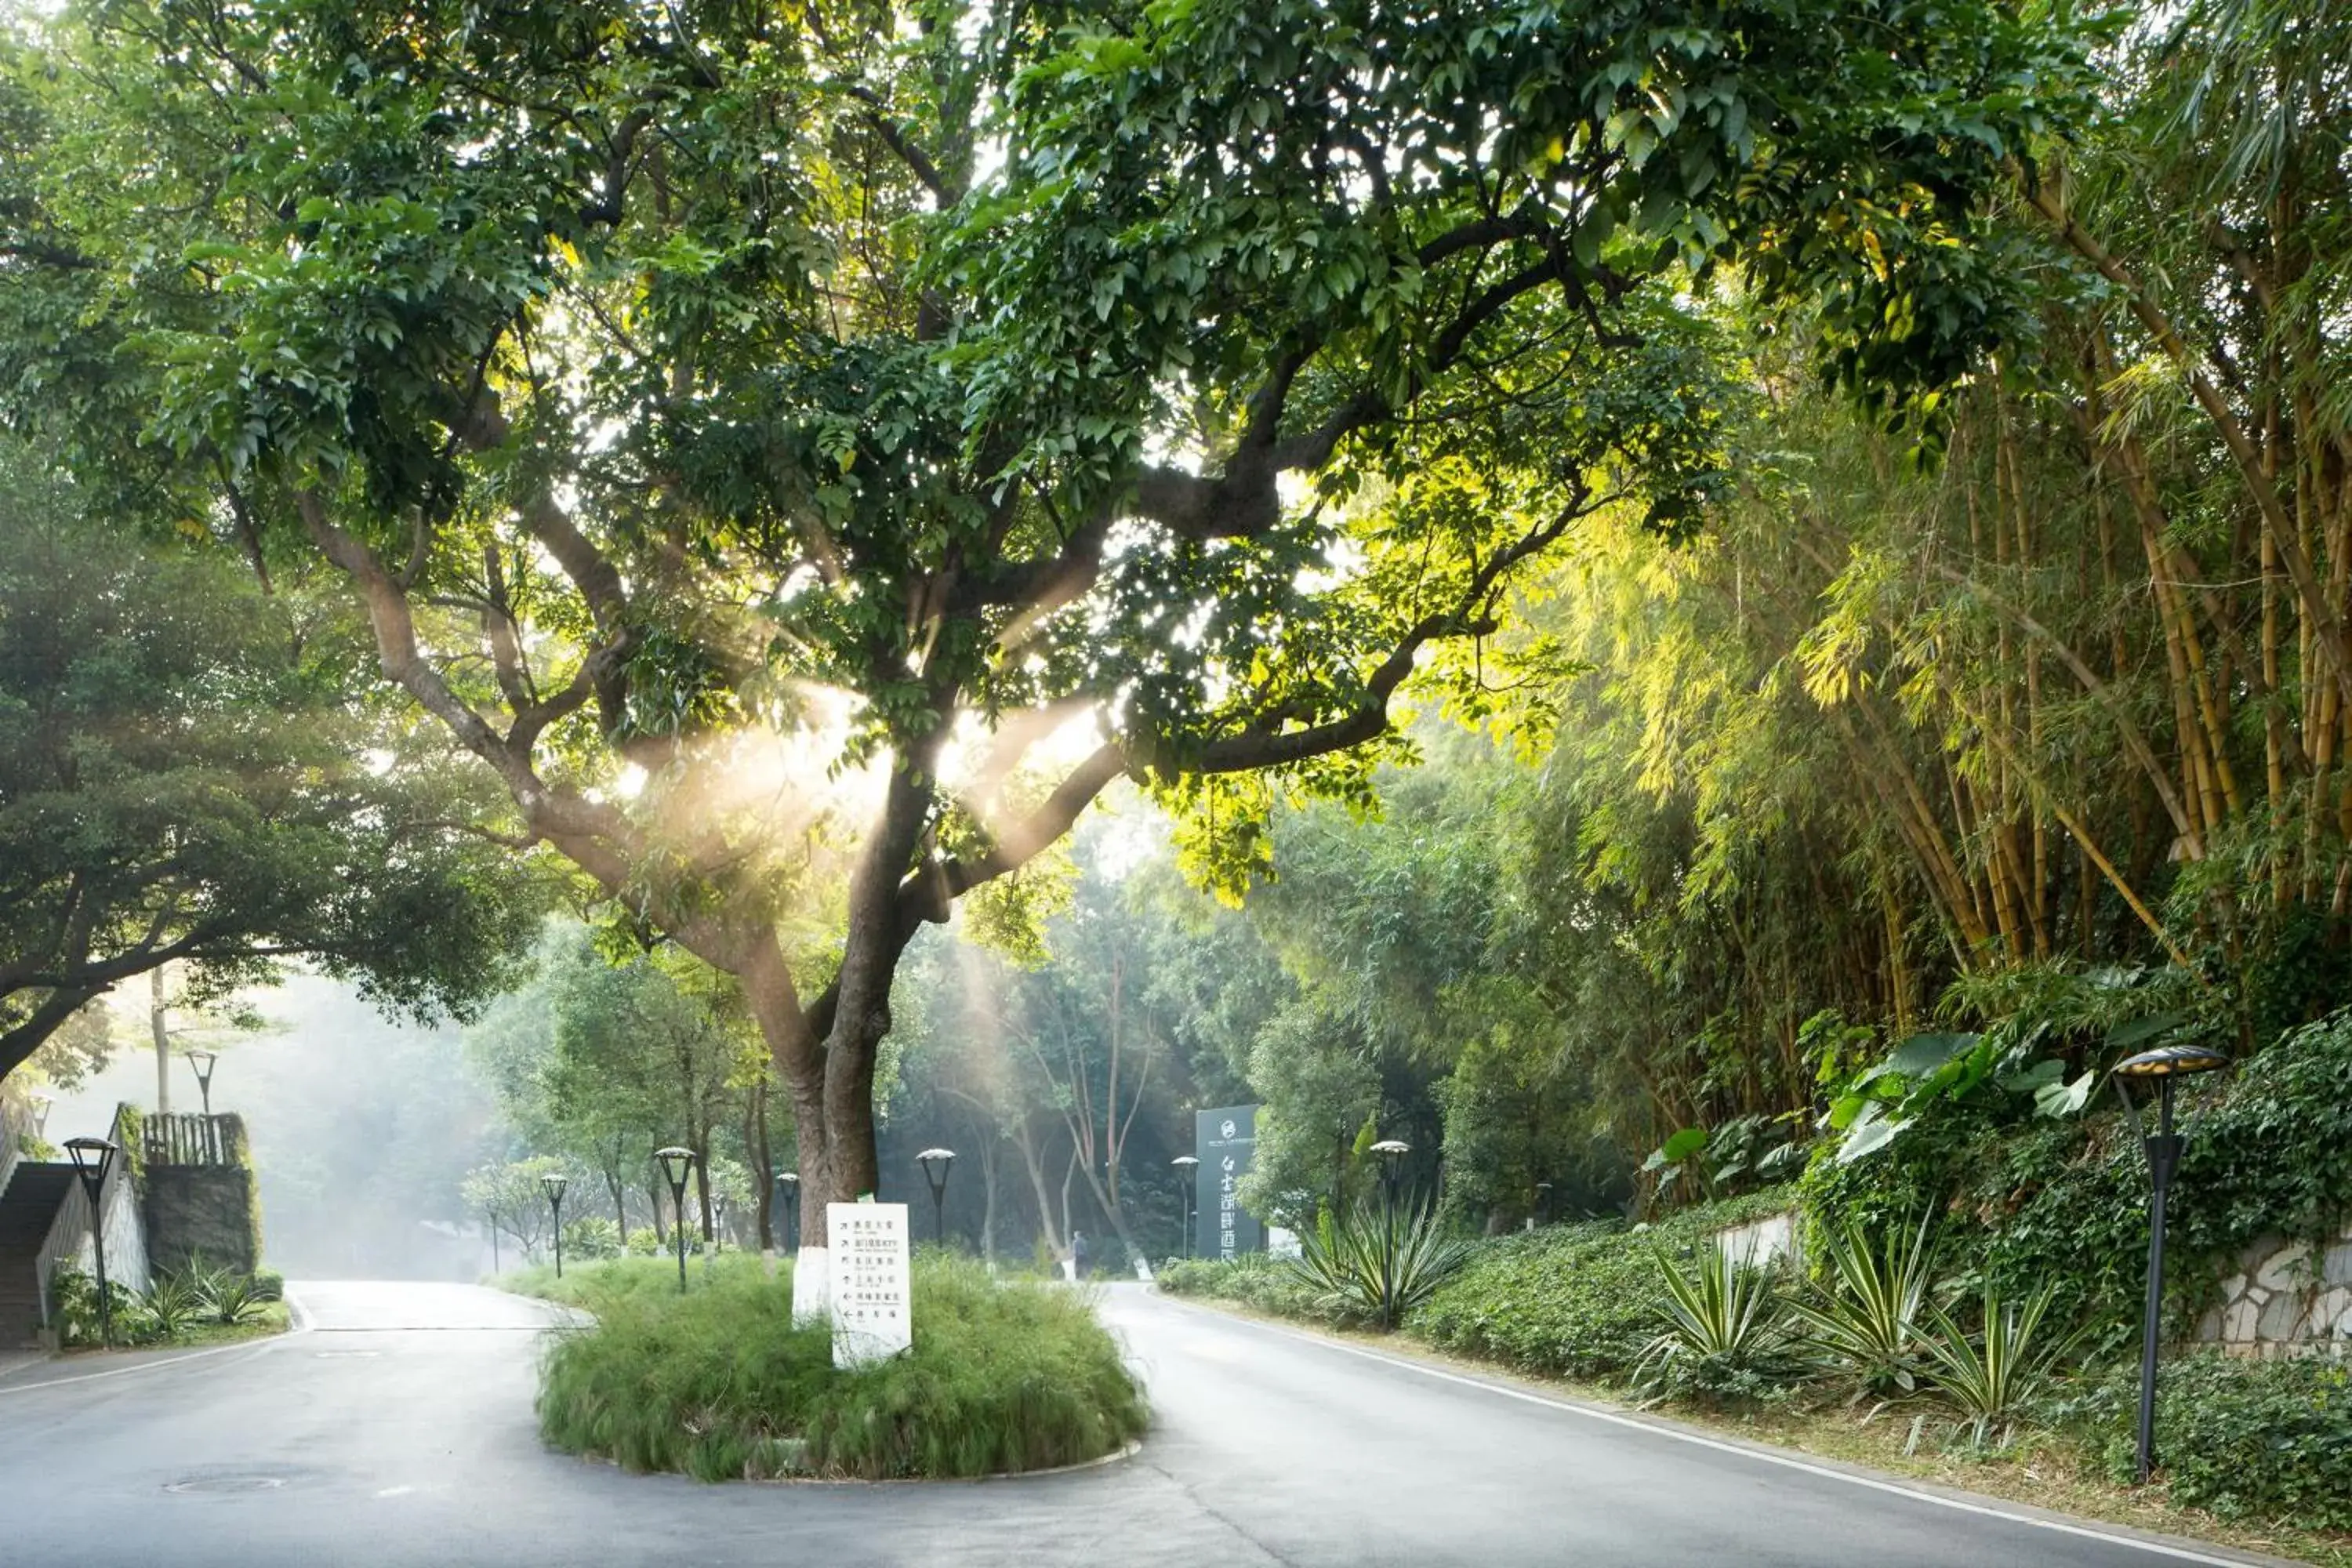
{"type": "Point", "coordinates": [395, 1491]}
{"type": "Point", "coordinates": [254, 1345]}
{"type": "Point", "coordinates": [1786, 1461]}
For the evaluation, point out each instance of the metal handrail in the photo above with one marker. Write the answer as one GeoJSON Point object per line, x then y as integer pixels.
{"type": "Point", "coordinates": [192, 1138]}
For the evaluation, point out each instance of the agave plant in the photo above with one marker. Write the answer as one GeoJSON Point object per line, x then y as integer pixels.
{"type": "Point", "coordinates": [1867, 1316]}
{"type": "Point", "coordinates": [171, 1307]}
{"type": "Point", "coordinates": [1991, 1382]}
{"type": "Point", "coordinates": [1378, 1266]}
{"type": "Point", "coordinates": [232, 1298]}
{"type": "Point", "coordinates": [1726, 1329]}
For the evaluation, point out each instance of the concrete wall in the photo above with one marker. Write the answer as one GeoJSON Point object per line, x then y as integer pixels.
{"type": "Point", "coordinates": [201, 1214]}
{"type": "Point", "coordinates": [2286, 1299]}
{"type": "Point", "coordinates": [1764, 1241]}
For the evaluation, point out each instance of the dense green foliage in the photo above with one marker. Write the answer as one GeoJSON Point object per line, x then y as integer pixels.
{"type": "Point", "coordinates": [2065, 1204]}
{"type": "Point", "coordinates": [599, 1058]}
{"type": "Point", "coordinates": [195, 1306]}
{"type": "Point", "coordinates": [1569, 1300]}
{"type": "Point", "coordinates": [701, 416]}
{"type": "Point", "coordinates": [192, 773]}
{"type": "Point", "coordinates": [718, 1384]}
{"type": "Point", "coordinates": [2247, 1439]}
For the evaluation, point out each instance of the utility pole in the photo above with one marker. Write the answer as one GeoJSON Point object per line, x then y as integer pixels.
{"type": "Point", "coordinates": [156, 1021]}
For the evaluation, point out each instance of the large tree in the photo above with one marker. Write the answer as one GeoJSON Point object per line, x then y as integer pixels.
{"type": "Point", "coordinates": [713, 400]}
{"type": "Point", "coordinates": [190, 776]}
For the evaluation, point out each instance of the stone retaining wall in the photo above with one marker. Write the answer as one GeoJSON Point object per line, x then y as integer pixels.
{"type": "Point", "coordinates": [2286, 1299]}
{"type": "Point", "coordinates": [201, 1215]}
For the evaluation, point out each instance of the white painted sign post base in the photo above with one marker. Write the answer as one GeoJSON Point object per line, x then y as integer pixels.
{"type": "Point", "coordinates": [811, 1303]}
{"type": "Point", "coordinates": [873, 1317]}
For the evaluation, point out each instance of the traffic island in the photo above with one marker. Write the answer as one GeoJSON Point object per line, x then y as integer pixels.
{"type": "Point", "coordinates": [715, 1381]}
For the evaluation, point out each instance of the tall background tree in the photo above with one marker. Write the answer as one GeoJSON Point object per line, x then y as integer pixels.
{"type": "Point", "coordinates": [194, 774]}
{"type": "Point", "coordinates": [697, 423]}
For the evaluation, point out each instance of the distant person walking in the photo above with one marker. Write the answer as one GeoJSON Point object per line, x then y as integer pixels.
{"type": "Point", "coordinates": [1080, 1254]}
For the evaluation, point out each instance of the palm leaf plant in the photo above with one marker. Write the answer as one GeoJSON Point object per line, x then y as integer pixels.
{"type": "Point", "coordinates": [1867, 1315]}
{"type": "Point", "coordinates": [1376, 1267]}
{"type": "Point", "coordinates": [1992, 1380]}
{"type": "Point", "coordinates": [1726, 1329]}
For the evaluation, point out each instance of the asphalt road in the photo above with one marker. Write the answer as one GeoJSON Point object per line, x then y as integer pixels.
{"type": "Point", "coordinates": [398, 1431]}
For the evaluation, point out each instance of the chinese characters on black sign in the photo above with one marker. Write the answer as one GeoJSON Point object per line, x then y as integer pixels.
{"type": "Point", "coordinates": [1224, 1141]}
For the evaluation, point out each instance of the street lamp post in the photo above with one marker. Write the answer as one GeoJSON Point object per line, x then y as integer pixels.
{"type": "Point", "coordinates": [204, 1062]}
{"type": "Point", "coordinates": [554, 1181]}
{"type": "Point", "coordinates": [717, 1221]}
{"type": "Point", "coordinates": [2161, 1065]}
{"type": "Point", "coordinates": [1392, 1151]}
{"type": "Point", "coordinates": [1188, 1170]}
{"type": "Point", "coordinates": [788, 1188]}
{"type": "Point", "coordinates": [935, 1164]}
{"type": "Point", "coordinates": [92, 1158]}
{"type": "Point", "coordinates": [677, 1165]}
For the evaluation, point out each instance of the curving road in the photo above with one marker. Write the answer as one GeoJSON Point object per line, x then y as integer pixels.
{"type": "Point", "coordinates": [397, 1431]}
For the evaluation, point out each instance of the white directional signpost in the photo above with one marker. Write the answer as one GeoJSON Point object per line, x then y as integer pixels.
{"type": "Point", "coordinates": [872, 1314]}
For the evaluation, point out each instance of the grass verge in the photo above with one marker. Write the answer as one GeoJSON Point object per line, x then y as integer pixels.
{"type": "Point", "coordinates": [270, 1318]}
{"type": "Point", "coordinates": [717, 1384]}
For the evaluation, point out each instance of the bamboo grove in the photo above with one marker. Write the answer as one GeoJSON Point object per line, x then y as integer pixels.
{"type": "Point", "coordinates": [2056, 726]}
{"type": "Point", "coordinates": [2042, 727]}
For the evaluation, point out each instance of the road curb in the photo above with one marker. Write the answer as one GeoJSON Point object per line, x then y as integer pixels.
{"type": "Point", "coordinates": [1104, 1461]}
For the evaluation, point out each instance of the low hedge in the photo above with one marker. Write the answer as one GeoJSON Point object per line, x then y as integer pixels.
{"type": "Point", "coordinates": [1566, 1301]}
{"type": "Point", "coordinates": [716, 1383]}
{"type": "Point", "coordinates": [2243, 1439]}
{"type": "Point", "coordinates": [1254, 1280]}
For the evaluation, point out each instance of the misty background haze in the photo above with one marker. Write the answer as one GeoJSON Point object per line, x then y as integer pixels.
{"type": "Point", "coordinates": [362, 1128]}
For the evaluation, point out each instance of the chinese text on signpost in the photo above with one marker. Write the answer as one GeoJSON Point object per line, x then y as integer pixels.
{"type": "Point", "coordinates": [872, 1320]}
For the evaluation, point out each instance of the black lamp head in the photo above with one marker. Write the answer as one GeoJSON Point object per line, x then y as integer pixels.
{"type": "Point", "coordinates": [676, 1164]}
{"type": "Point", "coordinates": [91, 1157]}
{"type": "Point", "coordinates": [2171, 1061]}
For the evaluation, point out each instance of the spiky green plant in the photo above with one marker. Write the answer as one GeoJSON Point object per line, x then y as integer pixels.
{"type": "Point", "coordinates": [229, 1297]}
{"type": "Point", "coordinates": [1866, 1316]}
{"type": "Point", "coordinates": [1991, 1381]}
{"type": "Point", "coordinates": [1376, 1267]}
{"type": "Point", "coordinates": [172, 1306]}
{"type": "Point", "coordinates": [1726, 1329]}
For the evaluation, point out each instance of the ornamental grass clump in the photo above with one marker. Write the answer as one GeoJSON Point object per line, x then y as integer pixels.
{"type": "Point", "coordinates": [717, 1384]}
